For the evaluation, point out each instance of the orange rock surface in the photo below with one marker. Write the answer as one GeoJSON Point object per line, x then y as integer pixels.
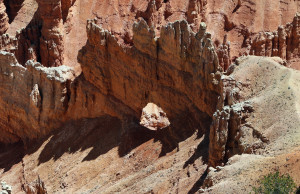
{"type": "Point", "coordinates": [76, 74]}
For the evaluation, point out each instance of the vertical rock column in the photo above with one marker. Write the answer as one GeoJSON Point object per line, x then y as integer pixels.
{"type": "Point", "coordinates": [3, 18]}
{"type": "Point", "coordinates": [282, 42]}
{"type": "Point", "coordinates": [51, 41]}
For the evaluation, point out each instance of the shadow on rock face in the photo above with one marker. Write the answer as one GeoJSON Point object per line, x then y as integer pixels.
{"type": "Point", "coordinates": [201, 151]}
{"type": "Point", "coordinates": [105, 133]}
{"type": "Point", "coordinates": [198, 183]}
{"type": "Point", "coordinates": [182, 126]}
{"type": "Point", "coordinates": [10, 155]}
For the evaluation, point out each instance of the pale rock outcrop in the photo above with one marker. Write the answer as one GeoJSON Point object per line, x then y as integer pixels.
{"type": "Point", "coordinates": [35, 96]}
{"type": "Point", "coordinates": [154, 67]}
{"type": "Point", "coordinates": [154, 118]}
{"type": "Point", "coordinates": [6, 189]}
{"type": "Point", "coordinates": [261, 127]}
{"type": "Point", "coordinates": [230, 134]}
{"type": "Point", "coordinates": [8, 43]}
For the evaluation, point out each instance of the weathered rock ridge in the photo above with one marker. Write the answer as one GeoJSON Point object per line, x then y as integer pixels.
{"type": "Point", "coordinates": [261, 121]}
{"type": "Point", "coordinates": [34, 98]}
{"type": "Point", "coordinates": [192, 66]}
{"type": "Point", "coordinates": [118, 76]}
{"type": "Point", "coordinates": [230, 133]}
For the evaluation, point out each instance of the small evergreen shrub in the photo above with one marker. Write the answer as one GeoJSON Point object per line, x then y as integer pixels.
{"type": "Point", "coordinates": [274, 183]}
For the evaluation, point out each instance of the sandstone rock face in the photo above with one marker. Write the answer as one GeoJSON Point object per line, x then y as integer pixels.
{"type": "Point", "coordinates": [177, 59]}
{"type": "Point", "coordinates": [227, 20]}
{"type": "Point", "coordinates": [32, 97]}
{"type": "Point", "coordinates": [53, 96]}
{"type": "Point", "coordinates": [117, 81]}
{"type": "Point", "coordinates": [3, 18]}
{"type": "Point", "coordinates": [242, 20]}
{"type": "Point", "coordinates": [154, 118]}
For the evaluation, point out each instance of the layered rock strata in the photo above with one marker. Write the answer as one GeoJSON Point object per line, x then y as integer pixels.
{"type": "Point", "coordinates": [160, 70]}
{"type": "Point", "coordinates": [232, 20]}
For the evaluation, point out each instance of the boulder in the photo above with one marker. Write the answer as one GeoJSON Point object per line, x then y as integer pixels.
{"type": "Point", "coordinates": [154, 118]}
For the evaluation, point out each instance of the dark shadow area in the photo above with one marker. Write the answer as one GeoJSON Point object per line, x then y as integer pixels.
{"type": "Point", "coordinates": [201, 151]}
{"type": "Point", "coordinates": [10, 155]}
{"type": "Point", "coordinates": [65, 9]}
{"type": "Point", "coordinates": [29, 41]}
{"type": "Point", "coordinates": [139, 135]}
{"type": "Point", "coordinates": [298, 190]}
{"type": "Point", "coordinates": [133, 136]}
{"type": "Point", "coordinates": [101, 134]}
{"type": "Point", "coordinates": [182, 127]}
{"type": "Point", "coordinates": [199, 183]}
{"type": "Point", "coordinates": [106, 132]}
{"type": "Point", "coordinates": [12, 8]}
{"type": "Point", "coordinates": [239, 4]}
